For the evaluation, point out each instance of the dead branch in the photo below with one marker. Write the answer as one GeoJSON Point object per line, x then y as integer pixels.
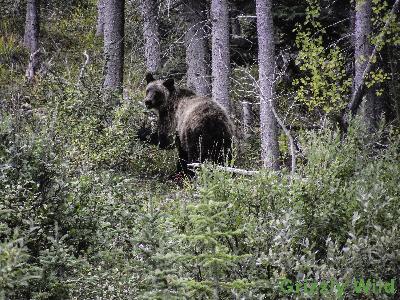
{"type": "Point", "coordinates": [227, 169]}
{"type": "Point", "coordinates": [82, 70]}
{"type": "Point", "coordinates": [247, 119]}
{"type": "Point", "coordinates": [30, 70]}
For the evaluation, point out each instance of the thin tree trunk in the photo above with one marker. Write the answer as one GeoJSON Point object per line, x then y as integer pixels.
{"type": "Point", "coordinates": [31, 36]}
{"type": "Point", "coordinates": [362, 52]}
{"type": "Point", "coordinates": [114, 44]}
{"type": "Point", "coordinates": [247, 120]}
{"type": "Point", "coordinates": [197, 58]}
{"type": "Point", "coordinates": [266, 62]}
{"type": "Point", "coordinates": [360, 89]}
{"type": "Point", "coordinates": [151, 35]}
{"type": "Point", "coordinates": [220, 52]}
{"type": "Point", "coordinates": [100, 18]}
{"type": "Point", "coordinates": [394, 84]}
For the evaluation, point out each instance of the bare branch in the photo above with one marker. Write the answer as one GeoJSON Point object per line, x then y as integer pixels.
{"type": "Point", "coordinates": [30, 70]}
{"type": "Point", "coordinates": [247, 119]}
{"type": "Point", "coordinates": [226, 169]}
{"type": "Point", "coordinates": [82, 70]}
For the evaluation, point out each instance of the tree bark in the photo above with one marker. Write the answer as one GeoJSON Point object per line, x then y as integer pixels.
{"type": "Point", "coordinates": [394, 84]}
{"type": "Point", "coordinates": [114, 44]}
{"type": "Point", "coordinates": [151, 35]}
{"type": "Point", "coordinates": [247, 120]}
{"type": "Point", "coordinates": [266, 63]}
{"type": "Point", "coordinates": [31, 36]}
{"type": "Point", "coordinates": [100, 18]}
{"type": "Point", "coordinates": [197, 58]}
{"type": "Point", "coordinates": [220, 52]}
{"type": "Point", "coordinates": [362, 52]}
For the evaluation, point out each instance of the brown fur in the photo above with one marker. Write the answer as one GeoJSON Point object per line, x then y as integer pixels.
{"type": "Point", "coordinates": [201, 128]}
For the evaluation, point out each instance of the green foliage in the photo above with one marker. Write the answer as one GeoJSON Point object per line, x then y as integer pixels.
{"type": "Point", "coordinates": [77, 222]}
{"type": "Point", "coordinates": [74, 31]}
{"type": "Point", "coordinates": [85, 218]}
{"type": "Point", "coordinates": [380, 15]}
{"type": "Point", "coordinates": [239, 237]}
{"type": "Point", "coordinates": [11, 54]}
{"type": "Point", "coordinates": [12, 8]}
{"type": "Point", "coordinates": [9, 46]}
{"type": "Point", "coordinates": [325, 84]}
{"type": "Point", "coordinates": [15, 269]}
{"type": "Point", "coordinates": [382, 37]}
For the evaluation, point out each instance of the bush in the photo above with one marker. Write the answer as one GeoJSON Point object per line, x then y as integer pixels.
{"type": "Point", "coordinates": [86, 211]}
{"type": "Point", "coordinates": [67, 189]}
{"type": "Point", "coordinates": [240, 237]}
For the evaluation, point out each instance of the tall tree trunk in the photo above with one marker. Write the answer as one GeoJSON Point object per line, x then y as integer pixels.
{"type": "Point", "coordinates": [220, 52]}
{"type": "Point", "coordinates": [151, 35]}
{"type": "Point", "coordinates": [266, 63]}
{"type": "Point", "coordinates": [31, 35]}
{"type": "Point", "coordinates": [114, 44]}
{"type": "Point", "coordinates": [362, 52]}
{"type": "Point", "coordinates": [197, 58]}
{"type": "Point", "coordinates": [100, 18]}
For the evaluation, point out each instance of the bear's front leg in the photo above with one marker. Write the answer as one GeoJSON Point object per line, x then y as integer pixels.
{"type": "Point", "coordinates": [182, 164]}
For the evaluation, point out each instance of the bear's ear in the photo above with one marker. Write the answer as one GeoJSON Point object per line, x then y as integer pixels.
{"type": "Point", "coordinates": [149, 78]}
{"type": "Point", "coordinates": [169, 84]}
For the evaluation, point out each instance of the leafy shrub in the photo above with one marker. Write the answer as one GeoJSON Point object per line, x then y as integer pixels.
{"type": "Point", "coordinates": [240, 237]}
{"type": "Point", "coordinates": [82, 218]}
{"type": "Point", "coordinates": [325, 84]}
{"type": "Point", "coordinates": [66, 189]}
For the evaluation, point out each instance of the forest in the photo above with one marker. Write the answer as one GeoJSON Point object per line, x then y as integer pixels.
{"type": "Point", "coordinates": [199, 149]}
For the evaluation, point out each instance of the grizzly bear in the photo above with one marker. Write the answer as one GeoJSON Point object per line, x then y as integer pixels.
{"type": "Point", "coordinates": [198, 126]}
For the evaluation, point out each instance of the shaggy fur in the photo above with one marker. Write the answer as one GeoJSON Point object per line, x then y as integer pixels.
{"type": "Point", "coordinates": [199, 126]}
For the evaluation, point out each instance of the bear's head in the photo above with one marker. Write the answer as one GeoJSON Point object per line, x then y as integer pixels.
{"type": "Point", "coordinates": [158, 92]}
